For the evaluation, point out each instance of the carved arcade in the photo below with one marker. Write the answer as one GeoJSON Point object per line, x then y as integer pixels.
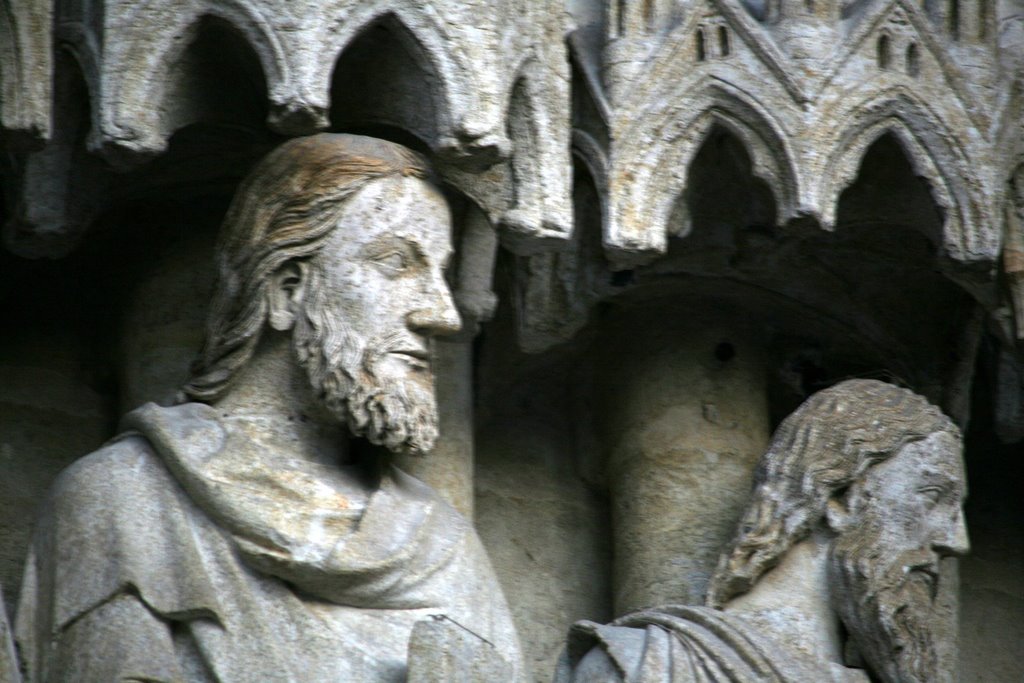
{"type": "Point", "coordinates": [508, 298]}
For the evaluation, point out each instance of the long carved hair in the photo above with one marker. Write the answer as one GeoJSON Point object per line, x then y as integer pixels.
{"type": "Point", "coordinates": [816, 453]}
{"type": "Point", "coordinates": [283, 211]}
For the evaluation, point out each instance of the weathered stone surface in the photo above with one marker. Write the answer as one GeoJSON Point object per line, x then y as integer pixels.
{"type": "Point", "coordinates": [26, 68]}
{"type": "Point", "coordinates": [546, 533]}
{"type": "Point", "coordinates": [857, 500]}
{"type": "Point", "coordinates": [443, 651]}
{"type": "Point", "coordinates": [162, 323]}
{"type": "Point", "coordinates": [807, 91]}
{"type": "Point", "coordinates": [490, 71]}
{"type": "Point", "coordinates": [685, 418]}
{"type": "Point", "coordinates": [832, 187]}
{"type": "Point", "coordinates": [449, 469]}
{"type": "Point", "coordinates": [241, 526]}
{"type": "Point", "coordinates": [41, 384]}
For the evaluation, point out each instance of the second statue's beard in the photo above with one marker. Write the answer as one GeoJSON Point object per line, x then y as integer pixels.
{"type": "Point", "coordinates": [886, 603]}
{"type": "Point", "coordinates": [398, 413]}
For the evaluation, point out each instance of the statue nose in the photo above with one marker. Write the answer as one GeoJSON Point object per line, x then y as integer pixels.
{"type": "Point", "coordinates": [438, 317]}
{"type": "Point", "coordinates": [954, 541]}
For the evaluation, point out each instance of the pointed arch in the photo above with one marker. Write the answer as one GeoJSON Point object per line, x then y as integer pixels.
{"type": "Point", "coordinates": [134, 78]}
{"type": "Point", "coordinates": [381, 76]}
{"type": "Point", "coordinates": [933, 153]}
{"type": "Point", "coordinates": [645, 180]}
{"type": "Point", "coordinates": [466, 124]}
{"type": "Point", "coordinates": [528, 195]}
{"type": "Point", "coordinates": [722, 195]}
{"type": "Point", "coordinates": [541, 177]}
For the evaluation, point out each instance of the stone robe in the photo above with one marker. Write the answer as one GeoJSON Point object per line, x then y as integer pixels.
{"type": "Point", "coordinates": [679, 644]}
{"type": "Point", "coordinates": [182, 551]}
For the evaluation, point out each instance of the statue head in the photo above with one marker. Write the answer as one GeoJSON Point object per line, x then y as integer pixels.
{"type": "Point", "coordinates": [341, 242]}
{"type": "Point", "coordinates": [879, 470]}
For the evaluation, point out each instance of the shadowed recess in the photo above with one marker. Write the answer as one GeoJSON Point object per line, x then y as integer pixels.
{"type": "Point", "coordinates": [384, 79]}
{"type": "Point", "coordinates": [722, 196]}
{"type": "Point", "coordinates": [218, 79]}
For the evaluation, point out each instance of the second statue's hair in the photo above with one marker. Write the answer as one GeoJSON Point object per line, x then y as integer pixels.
{"type": "Point", "coordinates": [816, 453]}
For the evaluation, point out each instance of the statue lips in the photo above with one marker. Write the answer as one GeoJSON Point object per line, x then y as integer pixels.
{"type": "Point", "coordinates": [409, 347]}
{"type": "Point", "coordinates": [418, 358]}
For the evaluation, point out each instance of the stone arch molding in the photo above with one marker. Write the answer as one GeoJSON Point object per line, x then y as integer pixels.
{"type": "Point", "coordinates": [536, 206]}
{"type": "Point", "coordinates": [472, 53]}
{"type": "Point", "coordinates": [647, 179]}
{"type": "Point", "coordinates": [470, 68]}
{"type": "Point", "coordinates": [527, 195]}
{"type": "Point", "coordinates": [934, 154]}
{"type": "Point", "coordinates": [465, 120]}
{"type": "Point", "coordinates": [26, 68]}
{"type": "Point", "coordinates": [144, 47]}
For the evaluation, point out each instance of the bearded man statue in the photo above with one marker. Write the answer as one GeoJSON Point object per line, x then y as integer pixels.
{"type": "Point", "coordinates": [236, 536]}
{"type": "Point", "coordinates": [834, 571]}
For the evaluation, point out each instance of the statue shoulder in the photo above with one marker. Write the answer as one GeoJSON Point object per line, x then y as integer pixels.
{"type": "Point", "coordinates": [123, 465]}
{"type": "Point", "coordinates": [685, 643]}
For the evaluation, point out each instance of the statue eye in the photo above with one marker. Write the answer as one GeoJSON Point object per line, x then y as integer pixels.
{"type": "Point", "coordinates": [392, 261]}
{"type": "Point", "coordinates": [932, 493]}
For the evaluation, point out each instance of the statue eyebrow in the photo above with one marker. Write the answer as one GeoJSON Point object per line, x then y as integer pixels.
{"type": "Point", "coordinates": [937, 478]}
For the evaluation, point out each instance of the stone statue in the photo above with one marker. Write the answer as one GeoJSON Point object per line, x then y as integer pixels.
{"type": "Point", "coordinates": [8, 662]}
{"type": "Point", "coordinates": [235, 536]}
{"type": "Point", "coordinates": [856, 501]}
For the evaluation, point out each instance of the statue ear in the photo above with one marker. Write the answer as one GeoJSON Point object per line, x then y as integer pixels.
{"type": "Point", "coordinates": [285, 292]}
{"type": "Point", "coordinates": [839, 511]}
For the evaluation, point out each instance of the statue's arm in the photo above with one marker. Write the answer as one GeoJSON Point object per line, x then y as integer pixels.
{"type": "Point", "coordinates": [116, 642]}
{"type": "Point", "coordinates": [588, 656]}
{"type": "Point", "coordinates": [638, 654]}
{"type": "Point", "coordinates": [596, 667]}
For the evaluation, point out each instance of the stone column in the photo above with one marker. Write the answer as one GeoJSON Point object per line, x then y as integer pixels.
{"type": "Point", "coordinates": [448, 468]}
{"type": "Point", "coordinates": [687, 418]}
{"type": "Point", "coordinates": [162, 324]}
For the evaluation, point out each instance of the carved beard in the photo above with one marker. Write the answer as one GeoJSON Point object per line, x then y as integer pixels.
{"type": "Point", "coordinates": [397, 412]}
{"type": "Point", "coordinates": [886, 603]}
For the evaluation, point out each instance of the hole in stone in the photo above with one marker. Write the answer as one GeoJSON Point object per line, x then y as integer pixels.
{"type": "Point", "coordinates": [379, 79]}
{"type": "Point", "coordinates": [725, 352]}
{"type": "Point", "coordinates": [913, 60]}
{"type": "Point", "coordinates": [883, 52]}
{"type": "Point", "coordinates": [621, 278]}
{"type": "Point", "coordinates": [840, 493]}
{"type": "Point", "coordinates": [812, 376]}
{"type": "Point", "coordinates": [723, 40]}
{"type": "Point", "coordinates": [701, 51]}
